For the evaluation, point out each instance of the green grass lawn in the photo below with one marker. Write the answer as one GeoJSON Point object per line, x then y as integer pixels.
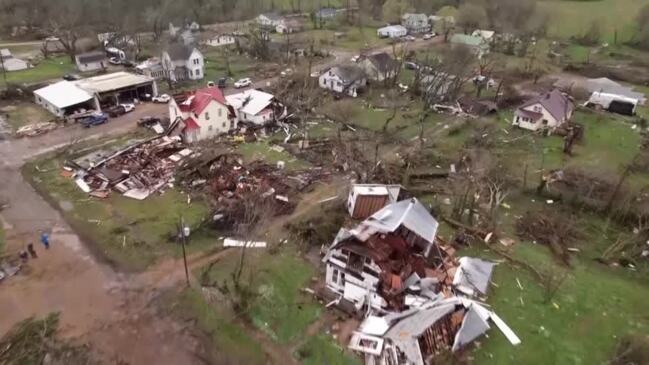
{"type": "Point", "coordinates": [280, 309]}
{"type": "Point", "coordinates": [354, 38]}
{"type": "Point", "coordinates": [594, 308]}
{"type": "Point", "coordinates": [608, 144]}
{"type": "Point", "coordinates": [215, 66]}
{"type": "Point", "coordinates": [319, 350]}
{"type": "Point", "coordinates": [51, 68]}
{"type": "Point", "coordinates": [128, 233]}
{"type": "Point", "coordinates": [264, 151]}
{"type": "Point", "coordinates": [573, 18]}
{"type": "Point", "coordinates": [231, 344]}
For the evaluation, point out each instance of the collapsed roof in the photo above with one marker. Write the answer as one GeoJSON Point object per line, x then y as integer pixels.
{"type": "Point", "coordinates": [415, 335]}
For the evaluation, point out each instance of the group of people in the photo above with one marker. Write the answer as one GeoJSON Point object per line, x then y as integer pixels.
{"type": "Point", "coordinates": [30, 251]}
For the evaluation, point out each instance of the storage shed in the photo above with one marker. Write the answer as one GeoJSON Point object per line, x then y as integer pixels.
{"type": "Point", "coordinates": [366, 199]}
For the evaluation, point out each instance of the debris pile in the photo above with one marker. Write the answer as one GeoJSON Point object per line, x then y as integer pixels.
{"type": "Point", "coordinates": [136, 171]}
{"type": "Point", "coordinates": [417, 298]}
{"type": "Point", "coordinates": [33, 130]}
{"type": "Point", "coordinates": [226, 181]}
{"type": "Point", "coordinates": [549, 228]}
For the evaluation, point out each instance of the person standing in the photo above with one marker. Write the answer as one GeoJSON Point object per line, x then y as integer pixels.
{"type": "Point", "coordinates": [45, 240]}
{"type": "Point", "coordinates": [32, 252]}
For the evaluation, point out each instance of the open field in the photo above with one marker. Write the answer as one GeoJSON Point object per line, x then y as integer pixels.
{"type": "Point", "coordinates": [280, 310]}
{"type": "Point", "coordinates": [48, 69]}
{"type": "Point", "coordinates": [572, 18]}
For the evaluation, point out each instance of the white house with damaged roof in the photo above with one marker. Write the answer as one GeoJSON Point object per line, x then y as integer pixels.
{"type": "Point", "coordinates": [415, 23]}
{"type": "Point", "coordinates": [183, 62]}
{"type": "Point", "coordinates": [546, 111]}
{"type": "Point", "coordinates": [380, 66]}
{"type": "Point", "coordinates": [343, 79]}
{"type": "Point", "coordinates": [254, 106]}
{"type": "Point", "coordinates": [369, 266]}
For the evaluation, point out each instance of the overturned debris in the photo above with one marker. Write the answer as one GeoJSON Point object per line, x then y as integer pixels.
{"type": "Point", "coordinates": [554, 230]}
{"type": "Point", "coordinates": [33, 130]}
{"type": "Point", "coordinates": [416, 335]}
{"type": "Point", "coordinates": [226, 182]}
{"type": "Point", "coordinates": [136, 171]}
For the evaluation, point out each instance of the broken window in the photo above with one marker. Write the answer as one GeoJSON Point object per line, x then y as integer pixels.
{"type": "Point", "coordinates": [355, 261]}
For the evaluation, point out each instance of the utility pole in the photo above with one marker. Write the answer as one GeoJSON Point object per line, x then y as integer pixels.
{"type": "Point", "coordinates": [4, 70]}
{"type": "Point", "coordinates": [183, 242]}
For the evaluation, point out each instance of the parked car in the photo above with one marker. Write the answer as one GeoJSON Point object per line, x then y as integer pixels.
{"type": "Point", "coordinates": [115, 111]}
{"type": "Point", "coordinates": [71, 77]}
{"type": "Point", "coordinates": [286, 72]}
{"type": "Point", "coordinates": [148, 121]}
{"type": "Point", "coordinates": [115, 61]}
{"type": "Point", "coordinates": [128, 107]}
{"type": "Point", "coordinates": [429, 35]}
{"type": "Point", "coordinates": [410, 66]}
{"type": "Point", "coordinates": [315, 74]}
{"type": "Point", "coordinates": [409, 38]}
{"type": "Point", "coordinates": [222, 82]}
{"type": "Point", "coordinates": [162, 99]}
{"type": "Point", "coordinates": [356, 58]}
{"type": "Point", "coordinates": [93, 120]}
{"type": "Point", "coordinates": [243, 83]}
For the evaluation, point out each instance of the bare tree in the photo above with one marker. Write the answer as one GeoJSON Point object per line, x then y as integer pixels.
{"type": "Point", "coordinates": [66, 23]}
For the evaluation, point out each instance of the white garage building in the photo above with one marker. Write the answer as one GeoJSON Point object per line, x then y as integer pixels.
{"type": "Point", "coordinates": [63, 98]}
{"type": "Point", "coordinates": [392, 31]}
{"type": "Point", "coordinates": [67, 97]}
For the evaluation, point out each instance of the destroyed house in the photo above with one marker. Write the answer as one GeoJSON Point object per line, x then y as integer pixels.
{"type": "Point", "coordinates": [371, 265]}
{"type": "Point", "coordinates": [415, 336]}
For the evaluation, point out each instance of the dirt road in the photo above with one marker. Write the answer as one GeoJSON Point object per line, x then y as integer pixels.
{"type": "Point", "coordinates": [111, 310]}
